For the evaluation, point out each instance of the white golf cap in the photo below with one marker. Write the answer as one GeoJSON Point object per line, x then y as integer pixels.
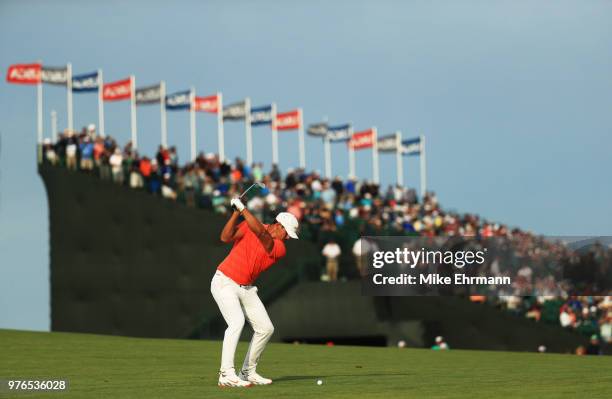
{"type": "Point", "coordinates": [289, 222]}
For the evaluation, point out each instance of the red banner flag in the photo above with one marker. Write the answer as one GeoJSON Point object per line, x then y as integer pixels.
{"type": "Point", "coordinates": [119, 90]}
{"type": "Point", "coordinates": [207, 104]}
{"type": "Point", "coordinates": [288, 120]}
{"type": "Point", "coordinates": [25, 74]}
{"type": "Point", "coordinates": [361, 140]}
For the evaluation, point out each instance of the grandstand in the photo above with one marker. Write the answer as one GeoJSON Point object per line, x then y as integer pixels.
{"type": "Point", "coordinates": [330, 209]}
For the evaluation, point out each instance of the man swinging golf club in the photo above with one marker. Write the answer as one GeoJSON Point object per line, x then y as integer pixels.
{"type": "Point", "coordinates": [256, 248]}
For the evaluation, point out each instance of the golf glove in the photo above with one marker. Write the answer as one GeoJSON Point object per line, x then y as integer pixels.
{"type": "Point", "coordinates": [237, 204]}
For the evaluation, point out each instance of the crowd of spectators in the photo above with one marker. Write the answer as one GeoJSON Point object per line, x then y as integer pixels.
{"type": "Point", "coordinates": [591, 316]}
{"type": "Point", "coordinates": [333, 213]}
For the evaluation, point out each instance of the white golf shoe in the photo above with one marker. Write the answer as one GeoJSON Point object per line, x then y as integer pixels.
{"type": "Point", "coordinates": [230, 379]}
{"type": "Point", "coordinates": [254, 378]}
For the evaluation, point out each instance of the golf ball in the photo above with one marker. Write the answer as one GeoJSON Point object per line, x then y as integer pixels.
{"type": "Point", "coordinates": [319, 382]}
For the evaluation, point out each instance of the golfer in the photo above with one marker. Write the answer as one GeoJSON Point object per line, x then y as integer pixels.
{"type": "Point", "coordinates": [256, 247]}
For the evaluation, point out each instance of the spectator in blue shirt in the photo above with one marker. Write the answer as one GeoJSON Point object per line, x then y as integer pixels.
{"type": "Point", "coordinates": [86, 148]}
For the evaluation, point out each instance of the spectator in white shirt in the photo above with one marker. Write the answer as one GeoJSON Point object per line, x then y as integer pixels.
{"type": "Point", "coordinates": [567, 318]}
{"type": "Point", "coordinates": [49, 151]}
{"type": "Point", "coordinates": [606, 328]}
{"type": "Point", "coordinates": [361, 248]}
{"type": "Point", "coordinates": [166, 190]}
{"type": "Point", "coordinates": [332, 252]}
{"type": "Point", "coordinates": [71, 150]}
{"type": "Point", "coordinates": [116, 163]}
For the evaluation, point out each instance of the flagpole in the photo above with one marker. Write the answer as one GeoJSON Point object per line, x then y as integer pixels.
{"type": "Point", "coordinates": [69, 95]}
{"type": "Point", "coordinates": [375, 173]}
{"type": "Point", "coordinates": [54, 127]}
{"type": "Point", "coordinates": [133, 104]}
{"type": "Point", "coordinates": [248, 131]}
{"type": "Point", "coordinates": [39, 131]}
{"type": "Point", "coordinates": [220, 133]}
{"type": "Point", "coordinates": [302, 144]}
{"type": "Point", "coordinates": [192, 124]}
{"type": "Point", "coordinates": [399, 159]}
{"type": "Point", "coordinates": [423, 168]}
{"type": "Point", "coordinates": [328, 160]}
{"type": "Point", "coordinates": [162, 112]}
{"type": "Point", "coordinates": [100, 103]}
{"type": "Point", "coordinates": [352, 171]}
{"type": "Point", "coordinates": [39, 105]}
{"type": "Point", "coordinates": [274, 137]}
{"type": "Point", "coordinates": [325, 148]}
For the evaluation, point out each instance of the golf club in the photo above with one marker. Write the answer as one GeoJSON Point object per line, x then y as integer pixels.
{"type": "Point", "coordinates": [260, 186]}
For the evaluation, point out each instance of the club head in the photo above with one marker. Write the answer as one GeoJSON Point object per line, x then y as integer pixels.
{"type": "Point", "coordinates": [254, 190]}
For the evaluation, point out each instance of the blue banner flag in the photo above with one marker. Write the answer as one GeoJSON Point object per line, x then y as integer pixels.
{"type": "Point", "coordinates": [261, 115]}
{"type": "Point", "coordinates": [86, 82]}
{"type": "Point", "coordinates": [411, 146]}
{"type": "Point", "coordinates": [339, 133]}
{"type": "Point", "coordinates": [179, 101]}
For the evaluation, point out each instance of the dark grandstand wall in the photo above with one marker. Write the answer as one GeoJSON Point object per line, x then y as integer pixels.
{"type": "Point", "coordinates": [124, 262]}
{"type": "Point", "coordinates": [320, 312]}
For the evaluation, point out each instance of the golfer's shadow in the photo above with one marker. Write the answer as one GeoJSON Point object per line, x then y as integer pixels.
{"type": "Point", "coordinates": [314, 377]}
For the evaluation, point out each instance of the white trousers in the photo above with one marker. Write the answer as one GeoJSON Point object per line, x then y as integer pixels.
{"type": "Point", "coordinates": [235, 303]}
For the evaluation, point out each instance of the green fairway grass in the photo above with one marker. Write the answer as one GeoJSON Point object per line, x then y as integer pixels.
{"type": "Point", "coordinates": [117, 367]}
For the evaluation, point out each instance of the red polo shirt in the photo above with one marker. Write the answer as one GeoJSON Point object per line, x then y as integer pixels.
{"type": "Point", "coordinates": [248, 257]}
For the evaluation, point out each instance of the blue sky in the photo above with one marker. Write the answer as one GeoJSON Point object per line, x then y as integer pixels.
{"type": "Point", "coordinates": [515, 98]}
